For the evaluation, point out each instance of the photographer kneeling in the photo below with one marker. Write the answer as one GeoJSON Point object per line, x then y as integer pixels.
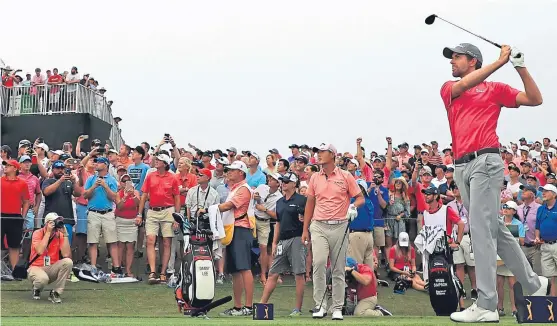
{"type": "Point", "coordinates": [46, 266]}
{"type": "Point", "coordinates": [361, 278]}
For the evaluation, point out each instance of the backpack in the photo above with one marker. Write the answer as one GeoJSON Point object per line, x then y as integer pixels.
{"type": "Point", "coordinates": [444, 287]}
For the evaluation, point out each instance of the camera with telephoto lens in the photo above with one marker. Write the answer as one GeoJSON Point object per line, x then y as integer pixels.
{"type": "Point", "coordinates": [59, 223]}
{"type": "Point", "coordinates": [348, 277]}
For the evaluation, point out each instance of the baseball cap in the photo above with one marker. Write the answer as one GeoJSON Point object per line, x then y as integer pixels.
{"type": "Point", "coordinates": [139, 150]}
{"type": "Point", "coordinates": [250, 154]}
{"type": "Point", "coordinates": [274, 175]}
{"type": "Point", "coordinates": [352, 263]}
{"type": "Point", "coordinates": [524, 148]}
{"type": "Point", "coordinates": [222, 160]}
{"type": "Point", "coordinates": [514, 168]}
{"type": "Point", "coordinates": [12, 163]}
{"type": "Point", "coordinates": [64, 157]}
{"type": "Point", "coordinates": [208, 153]}
{"type": "Point", "coordinates": [463, 48]}
{"type": "Point", "coordinates": [57, 152]}
{"type": "Point", "coordinates": [165, 158]}
{"type": "Point", "coordinates": [403, 145]}
{"type": "Point", "coordinates": [113, 151]}
{"type": "Point", "coordinates": [302, 158]}
{"type": "Point", "coordinates": [293, 146]}
{"type": "Point", "coordinates": [289, 177]}
{"type": "Point", "coordinates": [273, 151]}
{"type": "Point", "coordinates": [362, 183]}
{"type": "Point", "coordinates": [58, 165]}
{"type": "Point", "coordinates": [125, 175]}
{"type": "Point", "coordinates": [232, 149]}
{"type": "Point", "coordinates": [237, 165]}
{"type": "Point", "coordinates": [511, 204]}
{"type": "Point", "coordinates": [528, 188]}
{"type": "Point", "coordinates": [418, 147]}
{"type": "Point", "coordinates": [206, 172]}
{"type": "Point", "coordinates": [327, 147]}
{"type": "Point", "coordinates": [522, 139]}
{"type": "Point", "coordinates": [102, 160]}
{"type": "Point", "coordinates": [549, 187]}
{"type": "Point", "coordinates": [531, 176]}
{"type": "Point", "coordinates": [355, 162]}
{"type": "Point", "coordinates": [50, 217]}
{"type": "Point", "coordinates": [304, 146]}
{"type": "Point", "coordinates": [198, 164]}
{"type": "Point", "coordinates": [24, 158]}
{"type": "Point", "coordinates": [43, 146]}
{"type": "Point", "coordinates": [23, 143]}
{"type": "Point", "coordinates": [7, 149]}
{"type": "Point", "coordinates": [526, 163]}
{"type": "Point", "coordinates": [426, 169]}
{"type": "Point", "coordinates": [447, 149]}
{"type": "Point", "coordinates": [218, 151]}
{"type": "Point", "coordinates": [450, 168]}
{"type": "Point", "coordinates": [431, 190]}
{"type": "Point", "coordinates": [551, 176]}
{"type": "Point", "coordinates": [403, 239]}
{"type": "Point", "coordinates": [121, 167]}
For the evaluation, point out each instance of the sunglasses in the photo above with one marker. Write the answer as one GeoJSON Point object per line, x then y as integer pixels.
{"type": "Point", "coordinates": [507, 207]}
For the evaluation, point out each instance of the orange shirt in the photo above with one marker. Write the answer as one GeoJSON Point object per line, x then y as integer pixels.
{"type": "Point", "coordinates": [161, 189]}
{"type": "Point", "coordinates": [125, 161]}
{"type": "Point", "coordinates": [13, 193]}
{"type": "Point", "coordinates": [81, 200]}
{"type": "Point", "coordinates": [189, 180]}
{"type": "Point", "coordinates": [53, 249]}
{"type": "Point", "coordinates": [241, 200]}
{"type": "Point", "coordinates": [332, 194]}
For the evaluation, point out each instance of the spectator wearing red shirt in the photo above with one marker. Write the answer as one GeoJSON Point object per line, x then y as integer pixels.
{"type": "Point", "coordinates": [162, 189]}
{"type": "Point", "coordinates": [473, 108]}
{"type": "Point", "coordinates": [402, 262]}
{"type": "Point", "coordinates": [14, 204]}
{"type": "Point", "coordinates": [363, 280]}
{"type": "Point", "coordinates": [186, 181]}
{"type": "Point", "coordinates": [47, 244]}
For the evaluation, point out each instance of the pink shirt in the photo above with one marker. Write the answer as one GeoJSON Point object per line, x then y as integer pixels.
{"type": "Point", "coordinates": [332, 194]}
{"type": "Point", "coordinates": [33, 185]}
{"type": "Point", "coordinates": [241, 201]}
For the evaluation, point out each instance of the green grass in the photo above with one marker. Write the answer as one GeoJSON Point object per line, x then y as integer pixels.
{"type": "Point", "coordinates": [87, 303]}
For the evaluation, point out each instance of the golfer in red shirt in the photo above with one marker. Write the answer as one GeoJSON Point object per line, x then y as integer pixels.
{"type": "Point", "coordinates": [473, 107]}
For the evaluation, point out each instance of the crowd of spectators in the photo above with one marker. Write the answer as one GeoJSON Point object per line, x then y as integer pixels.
{"type": "Point", "coordinates": [399, 185]}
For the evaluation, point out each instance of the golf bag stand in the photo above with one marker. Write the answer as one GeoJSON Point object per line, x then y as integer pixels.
{"type": "Point", "coordinates": [195, 287]}
{"type": "Point", "coordinates": [445, 289]}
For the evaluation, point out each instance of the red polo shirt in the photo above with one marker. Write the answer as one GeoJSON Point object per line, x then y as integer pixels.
{"type": "Point", "coordinates": [14, 192]}
{"type": "Point", "coordinates": [161, 189]}
{"type": "Point", "coordinates": [189, 180]}
{"type": "Point", "coordinates": [370, 290]}
{"type": "Point", "coordinates": [474, 114]}
{"type": "Point", "coordinates": [8, 81]}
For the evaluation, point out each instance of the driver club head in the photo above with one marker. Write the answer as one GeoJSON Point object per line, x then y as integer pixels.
{"type": "Point", "coordinates": [430, 19]}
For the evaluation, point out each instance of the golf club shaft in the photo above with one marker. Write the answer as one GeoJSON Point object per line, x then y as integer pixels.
{"type": "Point", "coordinates": [333, 265]}
{"type": "Point", "coordinates": [483, 38]}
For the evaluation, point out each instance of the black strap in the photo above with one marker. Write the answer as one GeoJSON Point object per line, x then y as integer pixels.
{"type": "Point", "coordinates": [206, 195]}
{"type": "Point", "coordinates": [37, 256]}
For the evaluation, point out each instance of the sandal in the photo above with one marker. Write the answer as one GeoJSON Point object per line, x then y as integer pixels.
{"type": "Point", "coordinates": [129, 275]}
{"type": "Point", "coordinates": [153, 278]}
{"type": "Point", "coordinates": [163, 279]}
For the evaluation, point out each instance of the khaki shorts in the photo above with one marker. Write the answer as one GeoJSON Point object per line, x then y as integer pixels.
{"type": "Point", "coordinates": [549, 259]}
{"type": "Point", "coordinates": [160, 221]}
{"type": "Point", "coordinates": [503, 270]}
{"type": "Point", "coordinates": [97, 223]}
{"type": "Point", "coordinates": [126, 229]}
{"type": "Point", "coordinates": [379, 236]}
{"type": "Point", "coordinates": [263, 230]}
{"type": "Point", "coordinates": [462, 255]}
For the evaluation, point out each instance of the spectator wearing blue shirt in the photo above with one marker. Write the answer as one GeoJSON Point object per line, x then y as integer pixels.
{"type": "Point", "coordinates": [546, 235]}
{"type": "Point", "coordinates": [255, 177]}
{"type": "Point", "coordinates": [531, 180]}
{"type": "Point", "coordinates": [379, 196]}
{"type": "Point", "coordinates": [360, 240]}
{"type": "Point", "coordinates": [138, 170]}
{"type": "Point", "coordinates": [101, 193]}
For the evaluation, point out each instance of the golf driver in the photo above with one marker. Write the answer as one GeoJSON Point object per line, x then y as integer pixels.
{"type": "Point", "coordinates": [431, 19]}
{"type": "Point", "coordinates": [332, 265]}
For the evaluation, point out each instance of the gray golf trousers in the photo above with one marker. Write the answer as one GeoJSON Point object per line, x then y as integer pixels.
{"type": "Point", "coordinates": [479, 182]}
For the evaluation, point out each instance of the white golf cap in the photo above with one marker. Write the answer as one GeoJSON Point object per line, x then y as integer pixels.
{"type": "Point", "coordinates": [237, 165]}
{"type": "Point", "coordinates": [58, 152]}
{"type": "Point", "coordinates": [222, 160]}
{"type": "Point", "coordinates": [549, 187]}
{"type": "Point", "coordinates": [112, 150]}
{"type": "Point", "coordinates": [165, 158]}
{"type": "Point", "coordinates": [51, 217]}
{"type": "Point", "coordinates": [524, 148]}
{"type": "Point", "coordinates": [362, 183]}
{"type": "Point", "coordinates": [43, 146]}
{"type": "Point", "coordinates": [355, 161]}
{"type": "Point", "coordinates": [403, 239]}
{"type": "Point", "coordinates": [274, 175]}
{"type": "Point", "coordinates": [511, 204]}
{"type": "Point", "coordinates": [254, 155]}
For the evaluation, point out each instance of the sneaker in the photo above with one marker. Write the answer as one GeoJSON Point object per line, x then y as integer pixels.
{"type": "Point", "coordinates": [501, 312]}
{"type": "Point", "coordinates": [247, 311]}
{"type": "Point", "coordinates": [295, 313]}
{"type": "Point", "coordinates": [337, 315]}
{"type": "Point", "coordinates": [233, 312]}
{"type": "Point", "coordinates": [384, 311]}
{"type": "Point", "coordinates": [514, 314]}
{"type": "Point", "coordinates": [474, 314]}
{"type": "Point", "coordinates": [319, 312]}
{"type": "Point", "coordinates": [36, 294]}
{"type": "Point", "coordinates": [54, 297]}
{"type": "Point", "coordinates": [73, 278]}
{"type": "Point", "coordinates": [220, 279]}
{"type": "Point", "coordinates": [544, 289]}
{"type": "Point", "coordinates": [474, 294]}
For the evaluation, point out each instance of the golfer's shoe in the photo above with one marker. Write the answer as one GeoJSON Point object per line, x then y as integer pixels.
{"type": "Point", "coordinates": [36, 294]}
{"type": "Point", "coordinates": [384, 311]}
{"type": "Point", "coordinates": [337, 315]}
{"type": "Point", "coordinates": [319, 312]}
{"type": "Point", "coordinates": [295, 313]}
{"type": "Point", "coordinates": [247, 311]}
{"type": "Point", "coordinates": [233, 312]}
{"type": "Point", "coordinates": [54, 297]}
{"type": "Point", "coordinates": [475, 314]}
{"type": "Point", "coordinates": [544, 289]}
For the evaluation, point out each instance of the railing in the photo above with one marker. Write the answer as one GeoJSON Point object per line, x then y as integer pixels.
{"type": "Point", "coordinates": [58, 99]}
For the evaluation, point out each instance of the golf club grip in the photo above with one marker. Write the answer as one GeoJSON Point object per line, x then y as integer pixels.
{"type": "Point", "coordinates": [499, 46]}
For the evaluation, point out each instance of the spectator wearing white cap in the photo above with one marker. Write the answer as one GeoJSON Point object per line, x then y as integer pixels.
{"type": "Point", "coordinates": [329, 210]}
{"type": "Point", "coordinates": [23, 148]}
{"type": "Point", "coordinates": [266, 197]}
{"type": "Point", "coordinates": [255, 176]}
{"type": "Point", "coordinates": [162, 189]}
{"type": "Point", "coordinates": [524, 155]}
{"type": "Point", "coordinates": [112, 156]}
{"type": "Point", "coordinates": [546, 235]}
{"type": "Point", "coordinates": [218, 173]}
{"type": "Point", "coordinates": [240, 206]}
{"type": "Point", "coordinates": [42, 151]}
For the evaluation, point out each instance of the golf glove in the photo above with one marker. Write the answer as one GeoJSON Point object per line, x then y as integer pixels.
{"type": "Point", "coordinates": [517, 62]}
{"type": "Point", "coordinates": [352, 213]}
